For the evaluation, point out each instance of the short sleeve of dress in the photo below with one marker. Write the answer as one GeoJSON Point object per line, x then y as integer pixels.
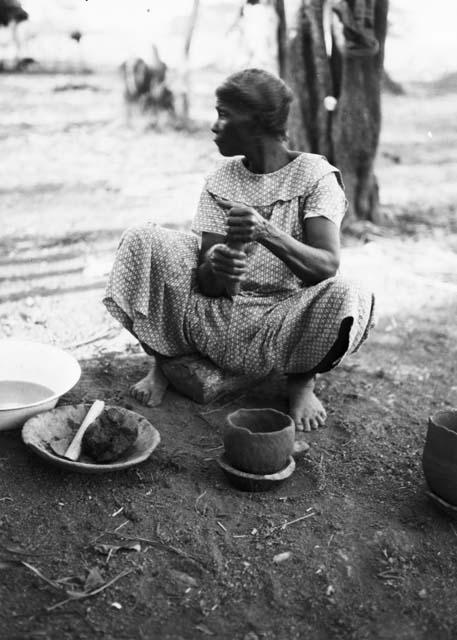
{"type": "Point", "coordinates": [210, 216]}
{"type": "Point", "coordinates": [326, 199]}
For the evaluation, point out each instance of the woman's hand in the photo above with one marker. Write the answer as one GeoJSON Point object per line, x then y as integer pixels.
{"type": "Point", "coordinates": [227, 264]}
{"type": "Point", "coordinates": [244, 223]}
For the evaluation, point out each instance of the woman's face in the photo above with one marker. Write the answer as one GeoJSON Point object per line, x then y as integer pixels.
{"type": "Point", "coordinates": [234, 129]}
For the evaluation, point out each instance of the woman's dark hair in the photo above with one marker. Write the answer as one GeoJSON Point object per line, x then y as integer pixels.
{"type": "Point", "coordinates": [262, 93]}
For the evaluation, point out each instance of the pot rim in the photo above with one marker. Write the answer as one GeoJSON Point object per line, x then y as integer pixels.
{"type": "Point", "coordinates": [260, 410]}
{"type": "Point", "coordinates": [431, 419]}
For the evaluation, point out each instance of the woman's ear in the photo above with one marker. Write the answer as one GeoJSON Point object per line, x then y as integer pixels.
{"type": "Point", "coordinates": [257, 128]}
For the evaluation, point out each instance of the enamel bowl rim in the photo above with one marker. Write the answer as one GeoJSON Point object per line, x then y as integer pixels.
{"type": "Point", "coordinates": [54, 349]}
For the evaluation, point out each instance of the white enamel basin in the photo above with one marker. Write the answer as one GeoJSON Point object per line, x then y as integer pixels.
{"type": "Point", "coordinates": [33, 376]}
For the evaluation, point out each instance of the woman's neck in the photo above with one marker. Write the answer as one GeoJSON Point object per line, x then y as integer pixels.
{"type": "Point", "coordinates": [268, 156]}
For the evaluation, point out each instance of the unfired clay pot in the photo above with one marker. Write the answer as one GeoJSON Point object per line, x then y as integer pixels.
{"type": "Point", "coordinates": [439, 460]}
{"type": "Point", "coordinates": [259, 441]}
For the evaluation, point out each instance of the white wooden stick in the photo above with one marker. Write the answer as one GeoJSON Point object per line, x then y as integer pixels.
{"type": "Point", "coordinates": [74, 449]}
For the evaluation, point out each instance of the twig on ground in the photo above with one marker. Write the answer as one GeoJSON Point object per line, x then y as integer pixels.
{"type": "Point", "coordinates": [95, 338]}
{"type": "Point", "coordinates": [126, 537]}
{"type": "Point", "coordinates": [197, 500]}
{"type": "Point", "coordinates": [286, 524]}
{"type": "Point", "coordinates": [389, 575]}
{"type": "Point", "coordinates": [202, 417]}
{"type": "Point", "coordinates": [156, 543]}
{"type": "Point", "coordinates": [221, 526]}
{"type": "Point", "coordinates": [6, 498]}
{"type": "Point", "coordinates": [22, 552]}
{"type": "Point", "coordinates": [223, 406]}
{"type": "Point", "coordinates": [38, 573]}
{"type": "Point", "coordinates": [82, 595]}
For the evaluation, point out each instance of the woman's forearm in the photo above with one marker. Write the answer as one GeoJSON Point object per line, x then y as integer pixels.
{"type": "Point", "coordinates": [310, 264]}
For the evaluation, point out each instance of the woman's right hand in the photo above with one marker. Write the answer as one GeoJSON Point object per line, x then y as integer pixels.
{"type": "Point", "coordinates": [228, 265]}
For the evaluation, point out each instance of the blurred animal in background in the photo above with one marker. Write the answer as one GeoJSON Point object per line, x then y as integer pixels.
{"type": "Point", "coordinates": [146, 89]}
{"type": "Point", "coordinates": [11, 15]}
{"type": "Point", "coordinates": [77, 36]}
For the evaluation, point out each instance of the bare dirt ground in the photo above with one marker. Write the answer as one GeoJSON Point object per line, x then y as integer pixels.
{"type": "Point", "coordinates": [373, 558]}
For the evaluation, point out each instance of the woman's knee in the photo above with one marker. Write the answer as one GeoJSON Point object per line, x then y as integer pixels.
{"type": "Point", "coordinates": [140, 233]}
{"type": "Point", "coordinates": [131, 239]}
{"type": "Point", "coordinates": [341, 291]}
{"type": "Point", "coordinates": [340, 286]}
{"type": "Point", "coordinates": [144, 243]}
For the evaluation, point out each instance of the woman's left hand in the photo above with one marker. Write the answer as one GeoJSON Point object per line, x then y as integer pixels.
{"type": "Point", "coordinates": [244, 223]}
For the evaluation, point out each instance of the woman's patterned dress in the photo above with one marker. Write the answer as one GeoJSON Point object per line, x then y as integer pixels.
{"type": "Point", "coordinates": [275, 323]}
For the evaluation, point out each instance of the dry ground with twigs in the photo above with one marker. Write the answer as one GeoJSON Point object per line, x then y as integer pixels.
{"type": "Point", "coordinates": [174, 551]}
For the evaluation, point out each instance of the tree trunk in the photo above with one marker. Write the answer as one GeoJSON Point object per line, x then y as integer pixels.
{"type": "Point", "coordinates": [282, 37]}
{"type": "Point", "coordinates": [185, 70]}
{"type": "Point", "coordinates": [348, 136]}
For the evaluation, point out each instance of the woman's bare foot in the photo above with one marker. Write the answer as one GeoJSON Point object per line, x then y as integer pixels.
{"type": "Point", "coordinates": [305, 408]}
{"type": "Point", "coordinates": [150, 389]}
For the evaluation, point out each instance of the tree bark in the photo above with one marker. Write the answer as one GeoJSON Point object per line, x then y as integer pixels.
{"type": "Point", "coordinates": [185, 70]}
{"type": "Point", "coordinates": [352, 73]}
{"type": "Point", "coordinates": [282, 37]}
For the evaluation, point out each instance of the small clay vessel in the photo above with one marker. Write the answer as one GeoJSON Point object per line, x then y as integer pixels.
{"type": "Point", "coordinates": [259, 441]}
{"type": "Point", "coordinates": [439, 460]}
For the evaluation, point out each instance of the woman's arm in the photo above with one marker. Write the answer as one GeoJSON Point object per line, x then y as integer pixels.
{"type": "Point", "coordinates": [315, 259]}
{"type": "Point", "coordinates": [312, 262]}
{"type": "Point", "coordinates": [219, 266]}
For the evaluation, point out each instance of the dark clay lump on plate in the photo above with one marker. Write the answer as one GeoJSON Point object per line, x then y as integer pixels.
{"type": "Point", "coordinates": [110, 436]}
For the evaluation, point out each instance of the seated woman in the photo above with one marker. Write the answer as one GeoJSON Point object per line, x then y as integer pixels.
{"type": "Point", "coordinates": [260, 291]}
